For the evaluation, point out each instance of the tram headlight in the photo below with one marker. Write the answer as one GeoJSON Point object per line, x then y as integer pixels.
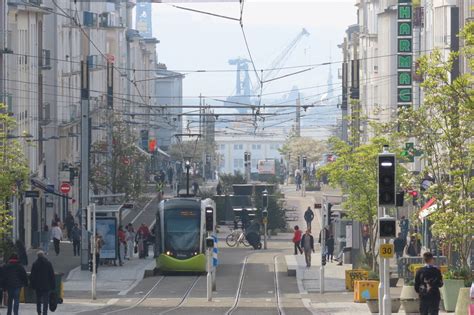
{"type": "Point", "coordinates": [195, 253]}
{"type": "Point", "coordinates": [168, 253]}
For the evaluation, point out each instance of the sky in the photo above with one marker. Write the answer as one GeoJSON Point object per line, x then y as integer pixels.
{"type": "Point", "coordinates": [192, 41]}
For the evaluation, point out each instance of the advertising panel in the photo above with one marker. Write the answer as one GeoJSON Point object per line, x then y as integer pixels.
{"type": "Point", "coordinates": [266, 167]}
{"type": "Point", "coordinates": [107, 228]}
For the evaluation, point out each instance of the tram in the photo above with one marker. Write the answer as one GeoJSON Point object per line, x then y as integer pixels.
{"type": "Point", "coordinates": [180, 231]}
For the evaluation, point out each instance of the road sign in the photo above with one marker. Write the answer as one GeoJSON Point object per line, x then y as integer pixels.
{"type": "Point", "coordinates": [65, 188]}
{"type": "Point", "coordinates": [386, 251]}
{"type": "Point", "coordinates": [32, 194]}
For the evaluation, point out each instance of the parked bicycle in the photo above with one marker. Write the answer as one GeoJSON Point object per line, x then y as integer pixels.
{"type": "Point", "coordinates": [236, 237]}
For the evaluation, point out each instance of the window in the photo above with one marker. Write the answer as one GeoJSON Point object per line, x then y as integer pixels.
{"type": "Point", "coordinates": [238, 146]}
{"type": "Point", "coordinates": [222, 147]}
{"type": "Point", "coordinates": [256, 146]}
{"type": "Point", "coordinates": [238, 163]}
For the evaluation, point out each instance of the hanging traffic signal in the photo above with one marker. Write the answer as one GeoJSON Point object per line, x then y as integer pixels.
{"type": "Point", "coordinates": [386, 179]}
{"type": "Point", "coordinates": [329, 213]}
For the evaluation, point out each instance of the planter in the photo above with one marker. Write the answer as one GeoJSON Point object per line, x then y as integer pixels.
{"type": "Point", "coordinates": [464, 299]}
{"type": "Point", "coordinates": [450, 292]}
{"type": "Point", "coordinates": [373, 305]}
{"type": "Point", "coordinates": [409, 299]}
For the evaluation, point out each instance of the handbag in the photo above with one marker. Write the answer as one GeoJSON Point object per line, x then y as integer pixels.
{"type": "Point", "coordinates": [135, 248]}
{"type": "Point", "coordinates": [53, 301]}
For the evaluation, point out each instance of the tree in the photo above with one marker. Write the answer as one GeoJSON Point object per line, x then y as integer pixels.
{"type": "Point", "coordinates": [125, 172]}
{"type": "Point", "coordinates": [443, 129]}
{"type": "Point", "coordinates": [302, 146]}
{"type": "Point", "coordinates": [355, 172]}
{"type": "Point", "coordinates": [14, 172]}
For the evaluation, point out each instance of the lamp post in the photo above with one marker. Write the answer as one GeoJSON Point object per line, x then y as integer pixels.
{"type": "Point", "coordinates": [188, 166]}
{"type": "Point", "coordinates": [265, 217]}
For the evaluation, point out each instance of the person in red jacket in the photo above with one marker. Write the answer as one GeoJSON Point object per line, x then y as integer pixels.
{"type": "Point", "coordinates": [297, 239]}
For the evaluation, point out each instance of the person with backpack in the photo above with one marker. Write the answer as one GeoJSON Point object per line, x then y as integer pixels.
{"type": "Point", "coordinates": [297, 239]}
{"type": "Point", "coordinates": [308, 217]}
{"type": "Point", "coordinates": [14, 279]}
{"type": "Point", "coordinates": [428, 280]}
{"type": "Point", "coordinates": [43, 281]}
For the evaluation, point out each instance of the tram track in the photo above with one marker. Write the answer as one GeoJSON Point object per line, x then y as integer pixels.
{"type": "Point", "coordinates": [183, 299]}
{"type": "Point", "coordinates": [276, 285]}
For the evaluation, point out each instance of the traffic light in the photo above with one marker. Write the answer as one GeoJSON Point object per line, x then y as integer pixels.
{"type": "Point", "coordinates": [323, 259]}
{"type": "Point", "coordinates": [386, 187]}
{"type": "Point", "coordinates": [209, 242]}
{"type": "Point", "coordinates": [90, 265]}
{"type": "Point", "coordinates": [329, 213]}
{"type": "Point", "coordinates": [304, 161]}
{"type": "Point", "coordinates": [209, 219]}
{"type": "Point", "coordinates": [265, 199]}
{"type": "Point", "coordinates": [265, 214]}
{"type": "Point", "coordinates": [387, 227]}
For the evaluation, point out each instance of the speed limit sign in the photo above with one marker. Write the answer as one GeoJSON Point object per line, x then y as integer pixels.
{"type": "Point", "coordinates": [386, 251]}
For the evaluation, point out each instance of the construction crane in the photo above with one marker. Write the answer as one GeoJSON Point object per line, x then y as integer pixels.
{"type": "Point", "coordinates": [244, 85]}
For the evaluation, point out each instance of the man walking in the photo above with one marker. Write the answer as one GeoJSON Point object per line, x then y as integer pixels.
{"type": "Point", "coordinates": [43, 282]}
{"type": "Point", "coordinates": [76, 235]}
{"type": "Point", "coordinates": [57, 235]}
{"type": "Point", "coordinates": [307, 243]}
{"type": "Point", "coordinates": [308, 217]}
{"type": "Point", "coordinates": [69, 223]}
{"type": "Point", "coordinates": [399, 244]}
{"type": "Point", "coordinates": [14, 279]}
{"type": "Point", "coordinates": [428, 280]}
{"type": "Point", "coordinates": [404, 226]}
{"type": "Point", "coordinates": [330, 248]}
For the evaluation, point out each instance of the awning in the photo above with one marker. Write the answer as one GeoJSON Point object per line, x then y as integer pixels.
{"type": "Point", "coordinates": [163, 152]}
{"type": "Point", "coordinates": [430, 207]}
{"type": "Point", "coordinates": [47, 189]}
{"type": "Point", "coordinates": [142, 151]}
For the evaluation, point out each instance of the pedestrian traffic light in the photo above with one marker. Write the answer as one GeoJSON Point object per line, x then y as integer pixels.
{"type": "Point", "coordinates": [304, 161]}
{"type": "Point", "coordinates": [323, 259]}
{"type": "Point", "coordinates": [386, 179]}
{"type": "Point", "coordinates": [209, 242]}
{"type": "Point", "coordinates": [209, 219]}
{"type": "Point", "coordinates": [387, 228]}
{"type": "Point", "coordinates": [265, 199]}
{"type": "Point", "coordinates": [265, 214]}
{"type": "Point", "coordinates": [91, 265]}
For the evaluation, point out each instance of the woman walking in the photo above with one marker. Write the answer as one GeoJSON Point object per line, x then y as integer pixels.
{"type": "Point", "coordinates": [297, 239]}
{"type": "Point", "coordinates": [57, 236]}
{"type": "Point", "coordinates": [14, 279]}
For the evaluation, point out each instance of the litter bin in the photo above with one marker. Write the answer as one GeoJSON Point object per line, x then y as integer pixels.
{"type": "Point", "coordinates": [28, 295]}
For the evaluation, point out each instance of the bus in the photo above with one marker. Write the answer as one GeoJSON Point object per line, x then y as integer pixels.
{"type": "Point", "coordinates": [181, 234]}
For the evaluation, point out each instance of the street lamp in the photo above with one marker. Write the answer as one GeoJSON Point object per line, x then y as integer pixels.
{"type": "Point", "coordinates": [265, 216]}
{"type": "Point", "coordinates": [188, 166]}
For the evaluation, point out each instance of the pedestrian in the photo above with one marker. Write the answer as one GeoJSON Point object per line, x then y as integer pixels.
{"type": "Point", "coordinates": [57, 235]}
{"type": "Point", "coordinates": [219, 189]}
{"type": "Point", "coordinates": [399, 246]}
{"type": "Point", "coordinates": [99, 243]}
{"type": "Point", "coordinates": [297, 239]}
{"type": "Point", "coordinates": [76, 235]}
{"type": "Point", "coordinates": [130, 238]}
{"type": "Point", "coordinates": [2, 281]}
{"type": "Point", "coordinates": [195, 188]}
{"type": "Point", "coordinates": [15, 278]}
{"type": "Point", "coordinates": [69, 223]}
{"type": "Point", "coordinates": [55, 220]}
{"type": "Point", "coordinates": [45, 239]}
{"type": "Point", "coordinates": [145, 238]}
{"type": "Point", "coordinates": [308, 217]}
{"type": "Point", "coordinates": [330, 248]}
{"type": "Point", "coordinates": [307, 243]}
{"type": "Point", "coordinates": [244, 218]}
{"type": "Point", "coordinates": [121, 244]}
{"type": "Point", "coordinates": [365, 236]}
{"type": "Point", "coordinates": [428, 280]}
{"type": "Point", "coordinates": [21, 251]}
{"type": "Point", "coordinates": [43, 281]}
{"type": "Point", "coordinates": [411, 249]}
{"type": "Point", "coordinates": [404, 226]}
{"type": "Point", "coordinates": [140, 240]}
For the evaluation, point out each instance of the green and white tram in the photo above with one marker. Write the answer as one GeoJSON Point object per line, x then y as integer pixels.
{"type": "Point", "coordinates": [180, 231]}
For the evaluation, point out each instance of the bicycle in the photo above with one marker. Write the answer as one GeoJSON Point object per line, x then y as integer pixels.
{"type": "Point", "coordinates": [235, 238]}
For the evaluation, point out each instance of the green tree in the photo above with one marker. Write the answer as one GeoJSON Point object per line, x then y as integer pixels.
{"type": "Point", "coordinates": [126, 171]}
{"type": "Point", "coordinates": [302, 146]}
{"type": "Point", "coordinates": [355, 172]}
{"type": "Point", "coordinates": [443, 129]}
{"type": "Point", "coordinates": [14, 171]}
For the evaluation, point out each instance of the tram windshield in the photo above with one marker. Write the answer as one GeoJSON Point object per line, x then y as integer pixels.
{"type": "Point", "coordinates": [182, 228]}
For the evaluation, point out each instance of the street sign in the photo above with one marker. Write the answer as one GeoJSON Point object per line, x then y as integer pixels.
{"type": "Point", "coordinates": [386, 251]}
{"type": "Point", "coordinates": [32, 194]}
{"type": "Point", "coordinates": [65, 188]}
{"type": "Point", "coordinates": [317, 206]}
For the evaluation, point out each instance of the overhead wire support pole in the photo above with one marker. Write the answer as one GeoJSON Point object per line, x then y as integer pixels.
{"type": "Point", "coordinates": [110, 107]}
{"type": "Point", "coordinates": [85, 149]}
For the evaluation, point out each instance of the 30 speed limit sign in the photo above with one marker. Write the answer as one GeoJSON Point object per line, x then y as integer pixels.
{"type": "Point", "coordinates": [386, 251]}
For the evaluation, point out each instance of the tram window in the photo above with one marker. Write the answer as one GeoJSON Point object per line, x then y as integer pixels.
{"type": "Point", "coordinates": [182, 230]}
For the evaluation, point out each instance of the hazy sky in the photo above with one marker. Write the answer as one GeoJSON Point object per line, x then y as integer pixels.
{"type": "Point", "coordinates": [191, 41]}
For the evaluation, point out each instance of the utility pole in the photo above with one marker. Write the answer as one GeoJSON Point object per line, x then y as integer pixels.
{"type": "Point", "coordinates": [94, 252]}
{"type": "Point", "coordinates": [85, 147]}
{"type": "Point", "coordinates": [298, 116]}
{"type": "Point", "coordinates": [110, 107]}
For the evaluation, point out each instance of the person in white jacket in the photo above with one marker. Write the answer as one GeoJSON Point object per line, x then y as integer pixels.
{"type": "Point", "coordinates": [57, 235]}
